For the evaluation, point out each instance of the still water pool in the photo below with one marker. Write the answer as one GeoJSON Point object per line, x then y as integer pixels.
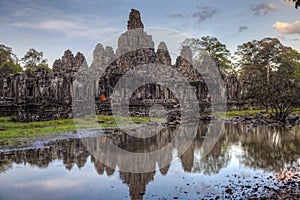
{"type": "Point", "coordinates": [242, 164]}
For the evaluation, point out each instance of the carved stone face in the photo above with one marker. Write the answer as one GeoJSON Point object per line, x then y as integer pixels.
{"type": "Point", "coordinates": [134, 21]}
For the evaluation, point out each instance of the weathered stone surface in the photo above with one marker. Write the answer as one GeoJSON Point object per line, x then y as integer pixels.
{"type": "Point", "coordinates": [134, 21]}
{"type": "Point", "coordinates": [102, 58]}
{"type": "Point", "coordinates": [187, 54]}
{"type": "Point", "coordinates": [162, 54]}
{"type": "Point", "coordinates": [69, 63]}
{"type": "Point", "coordinates": [42, 95]}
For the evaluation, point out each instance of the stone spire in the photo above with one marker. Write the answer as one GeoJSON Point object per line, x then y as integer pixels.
{"type": "Point", "coordinates": [134, 21]}
{"type": "Point", "coordinates": [69, 63]}
{"type": "Point", "coordinates": [162, 54]}
{"type": "Point", "coordinates": [135, 38]}
{"type": "Point", "coordinates": [186, 53]}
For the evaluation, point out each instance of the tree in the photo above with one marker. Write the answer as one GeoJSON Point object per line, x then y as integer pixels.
{"type": "Point", "coordinates": [33, 61]}
{"type": "Point", "coordinates": [282, 94]}
{"type": "Point", "coordinates": [280, 91]}
{"type": "Point", "coordinates": [5, 53]}
{"type": "Point", "coordinates": [256, 56]}
{"type": "Point", "coordinates": [9, 67]}
{"type": "Point", "coordinates": [213, 47]}
{"type": "Point", "coordinates": [8, 61]}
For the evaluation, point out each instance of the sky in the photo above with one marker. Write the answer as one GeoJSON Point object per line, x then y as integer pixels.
{"type": "Point", "coordinates": [56, 25]}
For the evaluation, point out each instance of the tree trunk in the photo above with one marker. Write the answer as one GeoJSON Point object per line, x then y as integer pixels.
{"type": "Point", "coordinates": [268, 72]}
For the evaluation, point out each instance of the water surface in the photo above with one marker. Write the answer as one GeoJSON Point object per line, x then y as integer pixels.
{"type": "Point", "coordinates": [243, 160]}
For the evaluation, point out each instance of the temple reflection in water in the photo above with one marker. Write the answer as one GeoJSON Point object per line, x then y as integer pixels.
{"type": "Point", "coordinates": [267, 148]}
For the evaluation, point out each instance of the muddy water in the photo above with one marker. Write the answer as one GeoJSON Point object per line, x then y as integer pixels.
{"type": "Point", "coordinates": [242, 164]}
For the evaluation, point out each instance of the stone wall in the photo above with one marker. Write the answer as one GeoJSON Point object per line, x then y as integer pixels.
{"type": "Point", "coordinates": [42, 96]}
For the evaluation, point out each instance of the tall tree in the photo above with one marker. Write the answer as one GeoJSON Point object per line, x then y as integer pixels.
{"type": "Point", "coordinates": [281, 94]}
{"type": "Point", "coordinates": [256, 56]}
{"type": "Point", "coordinates": [5, 53]}
{"type": "Point", "coordinates": [277, 89]}
{"type": "Point", "coordinates": [34, 60]}
{"type": "Point", "coordinates": [213, 47]}
{"type": "Point", "coordinates": [8, 61]}
{"type": "Point", "coordinates": [9, 67]}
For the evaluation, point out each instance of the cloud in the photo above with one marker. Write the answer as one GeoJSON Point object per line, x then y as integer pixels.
{"type": "Point", "coordinates": [47, 25]}
{"type": "Point", "coordinates": [286, 28]}
{"type": "Point", "coordinates": [263, 8]}
{"type": "Point", "coordinates": [281, 37]}
{"type": "Point", "coordinates": [202, 14]}
{"type": "Point", "coordinates": [49, 184]}
{"type": "Point", "coordinates": [242, 28]}
{"type": "Point", "coordinates": [78, 27]}
{"type": "Point", "coordinates": [179, 15]}
{"type": "Point", "coordinates": [46, 16]}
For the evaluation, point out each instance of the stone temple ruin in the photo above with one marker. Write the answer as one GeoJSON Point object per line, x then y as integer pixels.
{"type": "Point", "coordinates": [41, 95]}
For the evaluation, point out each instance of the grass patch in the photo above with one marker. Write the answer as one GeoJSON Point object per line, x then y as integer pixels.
{"type": "Point", "coordinates": [9, 129]}
{"type": "Point", "coordinates": [231, 114]}
{"type": "Point", "coordinates": [18, 129]}
{"type": "Point", "coordinates": [296, 111]}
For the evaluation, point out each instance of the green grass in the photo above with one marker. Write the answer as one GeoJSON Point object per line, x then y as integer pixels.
{"type": "Point", "coordinates": [18, 129]}
{"type": "Point", "coordinates": [296, 111]}
{"type": "Point", "coordinates": [231, 114]}
{"type": "Point", "coordinates": [9, 129]}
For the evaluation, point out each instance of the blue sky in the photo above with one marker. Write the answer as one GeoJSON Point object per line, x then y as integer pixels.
{"type": "Point", "coordinates": [57, 25]}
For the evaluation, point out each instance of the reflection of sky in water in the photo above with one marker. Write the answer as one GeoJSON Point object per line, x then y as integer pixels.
{"type": "Point", "coordinates": [236, 159]}
{"type": "Point", "coordinates": [55, 182]}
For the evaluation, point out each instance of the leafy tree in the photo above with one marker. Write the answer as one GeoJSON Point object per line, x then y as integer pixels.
{"type": "Point", "coordinates": [257, 56]}
{"type": "Point", "coordinates": [282, 94]}
{"type": "Point", "coordinates": [8, 62]}
{"type": "Point", "coordinates": [33, 61]}
{"type": "Point", "coordinates": [5, 53]}
{"type": "Point", "coordinates": [280, 91]}
{"type": "Point", "coordinates": [213, 47]}
{"type": "Point", "coordinates": [292, 58]}
{"type": "Point", "coordinates": [296, 74]}
{"type": "Point", "coordinates": [9, 67]}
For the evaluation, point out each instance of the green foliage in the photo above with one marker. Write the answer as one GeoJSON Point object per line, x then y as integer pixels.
{"type": "Point", "coordinates": [8, 64]}
{"type": "Point", "coordinates": [5, 53]}
{"type": "Point", "coordinates": [281, 94]}
{"type": "Point", "coordinates": [296, 74]}
{"type": "Point", "coordinates": [9, 67]}
{"type": "Point", "coordinates": [213, 47]}
{"type": "Point", "coordinates": [275, 75]}
{"type": "Point", "coordinates": [255, 57]}
{"type": "Point", "coordinates": [33, 61]}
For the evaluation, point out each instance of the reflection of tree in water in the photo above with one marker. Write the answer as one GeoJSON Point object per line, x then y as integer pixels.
{"type": "Point", "coordinates": [5, 165]}
{"type": "Point", "coordinates": [70, 151]}
{"type": "Point", "coordinates": [271, 148]}
{"type": "Point", "coordinates": [217, 158]}
{"type": "Point", "coordinates": [268, 148]}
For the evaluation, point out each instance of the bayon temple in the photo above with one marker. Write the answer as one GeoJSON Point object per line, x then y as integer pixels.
{"type": "Point", "coordinates": [41, 95]}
